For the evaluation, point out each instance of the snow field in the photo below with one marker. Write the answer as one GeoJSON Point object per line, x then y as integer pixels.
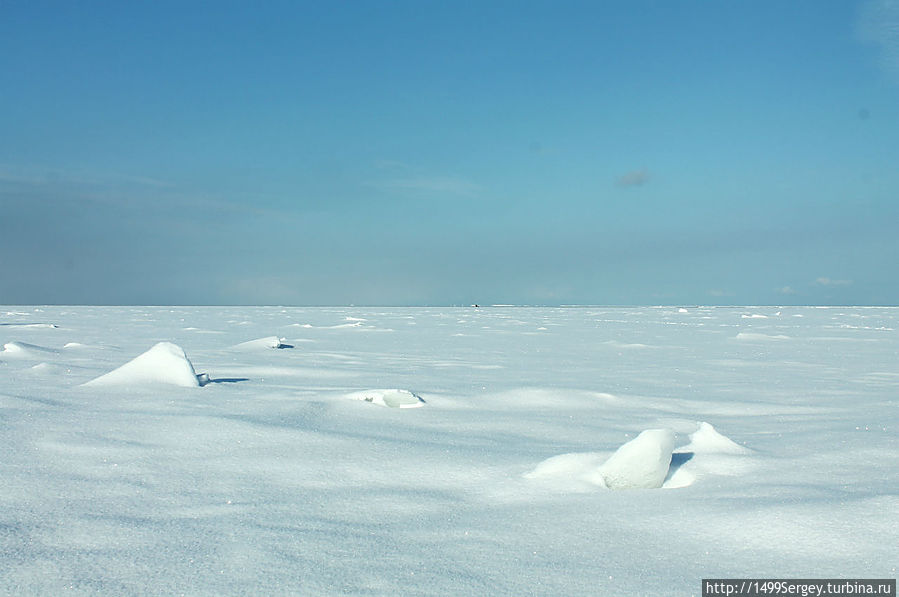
{"type": "Point", "coordinates": [277, 478]}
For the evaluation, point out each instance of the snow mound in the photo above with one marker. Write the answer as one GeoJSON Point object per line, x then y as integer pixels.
{"type": "Point", "coordinates": [575, 471]}
{"type": "Point", "coordinates": [706, 440]}
{"type": "Point", "coordinates": [641, 463]}
{"type": "Point", "coordinates": [391, 398]}
{"type": "Point", "coordinates": [164, 363]}
{"type": "Point", "coordinates": [708, 453]}
{"type": "Point", "coordinates": [267, 342]}
{"type": "Point", "coordinates": [24, 350]}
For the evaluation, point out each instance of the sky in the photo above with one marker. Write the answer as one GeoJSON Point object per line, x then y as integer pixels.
{"type": "Point", "coordinates": [449, 153]}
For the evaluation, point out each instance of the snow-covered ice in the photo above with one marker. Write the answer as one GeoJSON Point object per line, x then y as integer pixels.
{"type": "Point", "coordinates": [282, 476]}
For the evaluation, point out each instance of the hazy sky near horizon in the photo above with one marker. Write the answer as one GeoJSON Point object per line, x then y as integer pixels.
{"type": "Point", "coordinates": [449, 152]}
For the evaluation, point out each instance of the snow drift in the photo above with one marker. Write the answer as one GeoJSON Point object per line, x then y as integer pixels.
{"type": "Point", "coordinates": [577, 471]}
{"type": "Point", "coordinates": [706, 440]}
{"type": "Point", "coordinates": [24, 350]}
{"type": "Point", "coordinates": [641, 463]}
{"type": "Point", "coordinates": [164, 363]}
{"type": "Point", "coordinates": [709, 453]}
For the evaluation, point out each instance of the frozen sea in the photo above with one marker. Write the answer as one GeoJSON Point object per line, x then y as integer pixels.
{"type": "Point", "coordinates": [292, 470]}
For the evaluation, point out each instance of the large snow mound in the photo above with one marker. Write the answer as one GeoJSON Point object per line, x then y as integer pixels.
{"type": "Point", "coordinates": [641, 463]}
{"type": "Point", "coordinates": [392, 398]}
{"type": "Point", "coordinates": [164, 363]}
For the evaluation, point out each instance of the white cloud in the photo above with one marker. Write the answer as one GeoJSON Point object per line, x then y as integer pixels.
{"type": "Point", "coordinates": [786, 290]}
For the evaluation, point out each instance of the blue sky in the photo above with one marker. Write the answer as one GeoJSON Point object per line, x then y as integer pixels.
{"type": "Point", "coordinates": [449, 152]}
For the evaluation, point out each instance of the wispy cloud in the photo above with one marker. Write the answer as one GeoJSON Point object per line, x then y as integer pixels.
{"type": "Point", "coordinates": [823, 281]}
{"type": "Point", "coordinates": [786, 290]}
{"type": "Point", "coordinates": [49, 186]}
{"type": "Point", "coordinates": [36, 176]}
{"type": "Point", "coordinates": [879, 24]}
{"type": "Point", "coordinates": [431, 185]}
{"type": "Point", "coordinates": [633, 179]}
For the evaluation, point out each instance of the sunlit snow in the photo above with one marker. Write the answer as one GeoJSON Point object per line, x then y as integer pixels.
{"type": "Point", "coordinates": [746, 442]}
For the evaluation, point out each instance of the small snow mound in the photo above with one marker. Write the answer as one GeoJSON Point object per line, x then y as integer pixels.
{"type": "Point", "coordinates": [267, 342]}
{"type": "Point", "coordinates": [24, 350]}
{"type": "Point", "coordinates": [682, 310]}
{"type": "Point", "coordinates": [164, 363]}
{"type": "Point", "coordinates": [707, 440]}
{"type": "Point", "coordinates": [391, 398]}
{"type": "Point", "coordinates": [708, 453]}
{"type": "Point", "coordinates": [73, 345]}
{"type": "Point", "coordinates": [754, 316]}
{"type": "Point", "coordinates": [641, 463]}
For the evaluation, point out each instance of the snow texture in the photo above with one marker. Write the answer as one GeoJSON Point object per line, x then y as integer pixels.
{"type": "Point", "coordinates": [279, 478]}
